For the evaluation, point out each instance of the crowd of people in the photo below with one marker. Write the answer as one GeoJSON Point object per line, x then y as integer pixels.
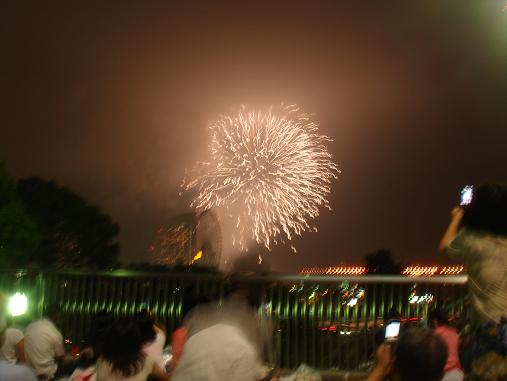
{"type": "Point", "coordinates": [230, 339]}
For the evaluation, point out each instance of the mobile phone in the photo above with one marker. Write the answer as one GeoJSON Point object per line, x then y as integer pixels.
{"type": "Point", "coordinates": [466, 194]}
{"type": "Point", "coordinates": [392, 330]}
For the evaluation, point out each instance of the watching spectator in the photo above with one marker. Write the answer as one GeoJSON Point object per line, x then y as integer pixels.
{"type": "Point", "coordinates": [10, 371]}
{"type": "Point", "coordinates": [13, 348]}
{"type": "Point", "coordinates": [44, 346]}
{"type": "Point", "coordinates": [419, 355]}
{"type": "Point", "coordinates": [439, 319]}
{"type": "Point", "coordinates": [477, 235]}
{"type": "Point", "coordinates": [122, 358]}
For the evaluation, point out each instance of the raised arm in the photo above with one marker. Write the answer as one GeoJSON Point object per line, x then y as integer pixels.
{"type": "Point", "coordinates": [452, 229]}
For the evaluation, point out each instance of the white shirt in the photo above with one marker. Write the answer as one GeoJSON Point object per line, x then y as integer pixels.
{"type": "Point", "coordinates": [218, 353]}
{"type": "Point", "coordinates": [43, 343]}
{"type": "Point", "coordinates": [8, 350]}
{"type": "Point", "coordinates": [13, 372]}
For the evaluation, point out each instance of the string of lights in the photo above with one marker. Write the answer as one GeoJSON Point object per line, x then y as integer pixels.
{"type": "Point", "coordinates": [412, 270]}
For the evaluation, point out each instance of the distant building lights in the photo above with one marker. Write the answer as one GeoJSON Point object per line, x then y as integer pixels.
{"type": "Point", "coordinates": [336, 270]}
{"type": "Point", "coordinates": [417, 270]}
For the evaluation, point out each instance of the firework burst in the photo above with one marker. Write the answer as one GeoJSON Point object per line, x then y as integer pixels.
{"type": "Point", "coordinates": [271, 171]}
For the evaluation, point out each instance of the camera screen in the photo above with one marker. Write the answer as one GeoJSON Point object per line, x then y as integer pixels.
{"type": "Point", "coordinates": [392, 329]}
{"type": "Point", "coordinates": [466, 195]}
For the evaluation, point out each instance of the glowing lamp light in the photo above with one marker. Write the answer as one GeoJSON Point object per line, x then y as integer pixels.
{"type": "Point", "coordinates": [197, 257]}
{"type": "Point", "coordinates": [18, 304]}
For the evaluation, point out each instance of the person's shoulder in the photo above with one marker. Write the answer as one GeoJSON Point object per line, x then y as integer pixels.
{"type": "Point", "coordinates": [14, 332]}
{"type": "Point", "coordinates": [16, 372]}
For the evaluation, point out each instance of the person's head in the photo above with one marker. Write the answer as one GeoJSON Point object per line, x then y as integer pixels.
{"type": "Point", "coordinates": [487, 212]}
{"type": "Point", "coordinates": [101, 324]}
{"type": "Point", "coordinates": [54, 313]}
{"type": "Point", "coordinates": [438, 316]}
{"type": "Point", "coordinates": [420, 355]}
{"type": "Point", "coordinates": [122, 347]}
{"type": "Point", "coordinates": [146, 324]}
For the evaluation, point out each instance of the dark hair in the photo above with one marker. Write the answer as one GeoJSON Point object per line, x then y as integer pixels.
{"type": "Point", "coordinates": [122, 348]}
{"type": "Point", "coordinates": [145, 323]}
{"type": "Point", "coordinates": [53, 311]}
{"type": "Point", "coordinates": [420, 355]}
{"type": "Point", "coordinates": [101, 324]}
{"type": "Point", "coordinates": [440, 315]}
{"type": "Point", "coordinates": [487, 212]}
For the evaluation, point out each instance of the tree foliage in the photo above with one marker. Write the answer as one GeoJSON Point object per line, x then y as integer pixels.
{"type": "Point", "coordinates": [73, 232]}
{"type": "Point", "coordinates": [382, 262]}
{"type": "Point", "coordinates": [19, 234]}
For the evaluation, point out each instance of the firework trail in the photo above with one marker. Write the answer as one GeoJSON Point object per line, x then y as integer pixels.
{"type": "Point", "coordinates": [271, 171]}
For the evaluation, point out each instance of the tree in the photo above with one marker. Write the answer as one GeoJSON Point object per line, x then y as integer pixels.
{"type": "Point", "coordinates": [73, 232]}
{"type": "Point", "coordinates": [19, 234]}
{"type": "Point", "coordinates": [382, 262]}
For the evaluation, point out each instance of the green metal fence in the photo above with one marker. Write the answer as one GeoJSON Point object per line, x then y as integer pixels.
{"type": "Point", "coordinates": [324, 321]}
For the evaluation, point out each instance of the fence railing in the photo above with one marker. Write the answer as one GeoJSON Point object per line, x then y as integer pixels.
{"type": "Point", "coordinates": [324, 321]}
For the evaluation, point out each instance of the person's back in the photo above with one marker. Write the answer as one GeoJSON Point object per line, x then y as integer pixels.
{"type": "Point", "coordinates": [14, 372]}
{"type": "Point", "coordinates": [13, 344]}
{"type": "Point", "coordinates": [43, 346]}
{"type": "Point", "coordinates": [218, 353]}
{"type": "Point", "coordinates": [439, 319]}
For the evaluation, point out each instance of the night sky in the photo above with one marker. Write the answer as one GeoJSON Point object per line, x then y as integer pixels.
{"type": "Point", "coordinates": [114, 100]}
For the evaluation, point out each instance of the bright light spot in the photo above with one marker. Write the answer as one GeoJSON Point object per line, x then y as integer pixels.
{"type": "Point", "coordinates": [260, 259]}
{"type": "Point", "coordinates": [426, 298]}
{"type": "Point", "coordinates": [197, 257]}
{"type": "Point", "coordinates": [352, 302]}
{"type": "Point", "coordinates": [18, 304]}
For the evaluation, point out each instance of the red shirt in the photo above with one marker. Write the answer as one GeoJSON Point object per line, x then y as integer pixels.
{"type": "Point", "coordinates": [179, 338]}
{"type": "Point", "coordinates": [450, 337]}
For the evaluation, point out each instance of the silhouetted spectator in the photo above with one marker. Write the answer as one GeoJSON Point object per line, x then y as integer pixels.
{"type": "Point", "coordinates": [418, 355]}
{"type": "Point", "coordinates": [122, 358]}
{"type": "Point", "coordinates": [477, 235]}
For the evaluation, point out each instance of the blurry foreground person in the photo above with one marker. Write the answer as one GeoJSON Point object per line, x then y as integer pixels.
{"type": "Point", "coordinates": [418, 355]}
{"type": "Point", "coordinates": [122, 358]}
{"type": "Point", "coordinates": [13, 348]}
{"type": "Point", "coordinates": [439, 319]}
{"type": "Point", "coordinates": [44, 349]}
{"type": "Point", "coordinates": [10, 371]}
{"type": "Point", "coordinates": [225, 341]}
{"type": "Point", "coordinates": [477, 235]}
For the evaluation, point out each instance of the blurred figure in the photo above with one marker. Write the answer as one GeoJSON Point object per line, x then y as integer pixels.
{"type": "Point", "coordinates": [226, 341]}
{"type": "Point", "coordinates": [439, 320]}
{"type": "Point", "coordinates": [10, 371]}
{"type": "Point", "coordinates": [477, 235]}
{"type": "Point", "coordinates": [418, 355]}
{"type": "Point", "coordinates": [190, 300]}
{"type": "Point", "coordinates": [44, 345]}
{"type": "Point", "coordinates": [122, 358]}
{"type": "Point", "coordinates": [13, 348]}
